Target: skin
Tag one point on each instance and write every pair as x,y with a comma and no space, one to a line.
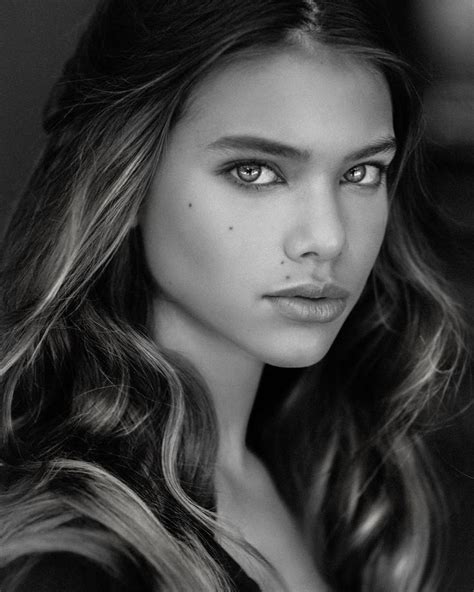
216,245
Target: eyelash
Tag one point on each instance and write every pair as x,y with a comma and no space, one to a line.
381,166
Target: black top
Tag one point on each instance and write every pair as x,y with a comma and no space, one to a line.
66,572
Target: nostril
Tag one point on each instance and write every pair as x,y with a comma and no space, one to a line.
310,253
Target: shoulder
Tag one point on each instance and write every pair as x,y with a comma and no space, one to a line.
57,572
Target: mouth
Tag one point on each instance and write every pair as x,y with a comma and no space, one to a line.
310,302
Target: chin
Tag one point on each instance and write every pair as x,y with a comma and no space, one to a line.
297,357
298,349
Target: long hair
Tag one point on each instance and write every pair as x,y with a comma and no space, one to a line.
108,442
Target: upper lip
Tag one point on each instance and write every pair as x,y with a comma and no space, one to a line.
326,290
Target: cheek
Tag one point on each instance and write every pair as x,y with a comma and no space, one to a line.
367,234
191,239
175,244
373,234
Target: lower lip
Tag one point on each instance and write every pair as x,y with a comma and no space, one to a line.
321,310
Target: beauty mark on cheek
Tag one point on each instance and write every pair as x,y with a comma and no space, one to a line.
231,228
190,205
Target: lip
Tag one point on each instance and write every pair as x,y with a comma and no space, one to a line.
310,302
313,291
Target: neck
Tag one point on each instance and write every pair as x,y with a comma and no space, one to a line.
231,375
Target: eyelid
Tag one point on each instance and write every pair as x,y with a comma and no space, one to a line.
380,164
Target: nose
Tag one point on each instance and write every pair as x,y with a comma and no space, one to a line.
318,230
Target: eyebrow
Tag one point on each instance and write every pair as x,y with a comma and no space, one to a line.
266,146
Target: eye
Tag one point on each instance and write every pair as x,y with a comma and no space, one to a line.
368,175
254,174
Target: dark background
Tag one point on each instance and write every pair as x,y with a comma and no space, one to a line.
36,36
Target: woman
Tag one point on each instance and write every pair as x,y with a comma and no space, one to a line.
223,326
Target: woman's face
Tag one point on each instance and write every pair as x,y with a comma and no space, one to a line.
274,179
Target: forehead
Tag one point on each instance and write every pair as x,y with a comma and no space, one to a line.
318,99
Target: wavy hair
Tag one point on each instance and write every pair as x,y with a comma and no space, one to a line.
107,442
